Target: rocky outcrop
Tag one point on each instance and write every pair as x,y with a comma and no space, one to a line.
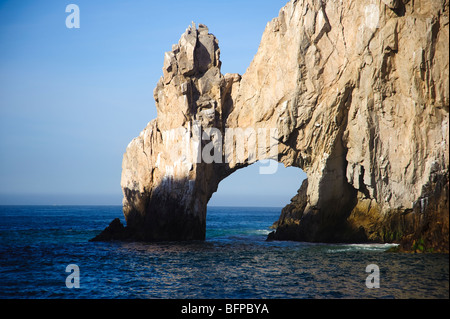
377,85
166,188
115,231
356,94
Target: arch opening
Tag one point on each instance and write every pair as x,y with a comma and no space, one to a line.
247,203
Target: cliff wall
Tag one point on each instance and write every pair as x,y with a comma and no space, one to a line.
356,94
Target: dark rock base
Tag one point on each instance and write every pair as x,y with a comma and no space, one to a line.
115,231
424,228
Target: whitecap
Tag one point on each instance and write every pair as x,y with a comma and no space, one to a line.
361,247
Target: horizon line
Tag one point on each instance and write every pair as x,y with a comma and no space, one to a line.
85,205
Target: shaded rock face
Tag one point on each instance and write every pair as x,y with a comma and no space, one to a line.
354,94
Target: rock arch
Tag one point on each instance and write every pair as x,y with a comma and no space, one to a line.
361,108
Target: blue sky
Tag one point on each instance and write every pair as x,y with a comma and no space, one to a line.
72,99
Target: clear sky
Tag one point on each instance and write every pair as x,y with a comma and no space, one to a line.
72,99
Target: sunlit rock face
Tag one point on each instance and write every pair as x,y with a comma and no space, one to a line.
166,183
353,93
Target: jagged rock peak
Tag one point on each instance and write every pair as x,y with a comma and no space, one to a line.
195,53
192,86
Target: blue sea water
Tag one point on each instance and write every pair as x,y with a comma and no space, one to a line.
235,261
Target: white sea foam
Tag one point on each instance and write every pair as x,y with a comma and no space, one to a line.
262,231
361,247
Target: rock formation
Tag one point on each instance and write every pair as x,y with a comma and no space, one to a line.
354,93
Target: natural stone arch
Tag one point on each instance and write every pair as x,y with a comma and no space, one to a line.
201,136
355,107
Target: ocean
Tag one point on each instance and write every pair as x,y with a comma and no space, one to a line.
38,243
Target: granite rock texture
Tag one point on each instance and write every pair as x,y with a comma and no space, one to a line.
354,93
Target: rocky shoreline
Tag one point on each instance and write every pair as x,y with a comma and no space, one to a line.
354,94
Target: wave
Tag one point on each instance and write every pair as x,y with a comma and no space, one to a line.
360,247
